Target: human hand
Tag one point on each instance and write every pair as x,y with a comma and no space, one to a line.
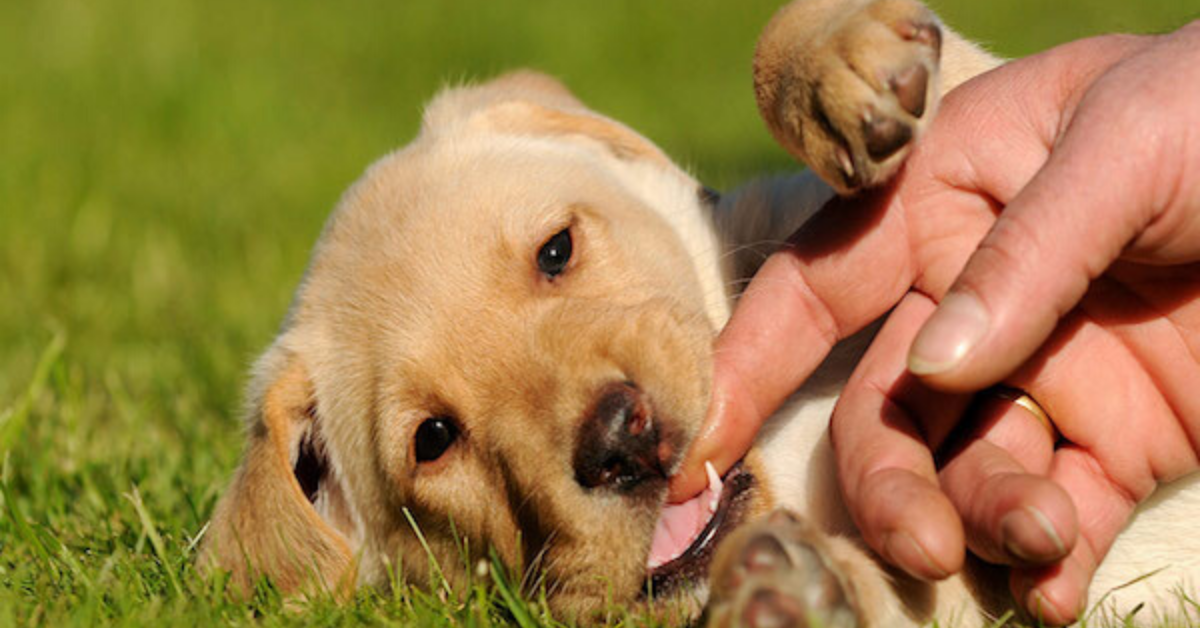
1071,181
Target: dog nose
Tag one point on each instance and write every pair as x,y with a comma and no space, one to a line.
618,441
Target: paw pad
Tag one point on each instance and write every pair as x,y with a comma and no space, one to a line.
777,574
909,86
769,608
884,136
764,553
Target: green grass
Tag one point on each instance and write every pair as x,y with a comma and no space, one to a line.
165,167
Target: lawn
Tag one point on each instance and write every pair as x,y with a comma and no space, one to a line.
165,167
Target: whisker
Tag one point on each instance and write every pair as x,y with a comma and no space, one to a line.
755,246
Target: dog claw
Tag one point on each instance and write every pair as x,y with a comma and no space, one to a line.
925,32
846,163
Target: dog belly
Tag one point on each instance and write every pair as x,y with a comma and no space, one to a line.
795,447
1160,543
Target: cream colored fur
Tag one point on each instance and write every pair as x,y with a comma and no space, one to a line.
422,300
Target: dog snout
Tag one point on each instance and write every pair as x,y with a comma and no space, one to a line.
618,443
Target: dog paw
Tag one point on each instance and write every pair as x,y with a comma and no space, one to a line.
847,87
776,574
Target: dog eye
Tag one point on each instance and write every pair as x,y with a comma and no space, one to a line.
434,437
555,253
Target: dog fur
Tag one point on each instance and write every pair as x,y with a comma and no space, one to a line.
423,299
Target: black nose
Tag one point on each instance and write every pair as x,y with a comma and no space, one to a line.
618,441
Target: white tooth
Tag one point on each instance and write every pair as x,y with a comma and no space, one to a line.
714,485
714,480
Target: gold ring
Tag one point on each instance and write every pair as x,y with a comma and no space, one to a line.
1019,397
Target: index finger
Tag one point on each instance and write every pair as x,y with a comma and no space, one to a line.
802,301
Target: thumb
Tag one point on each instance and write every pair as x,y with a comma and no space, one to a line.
1099,196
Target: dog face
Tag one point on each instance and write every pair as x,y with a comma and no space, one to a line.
502,342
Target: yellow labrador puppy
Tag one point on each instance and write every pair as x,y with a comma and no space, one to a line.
503,340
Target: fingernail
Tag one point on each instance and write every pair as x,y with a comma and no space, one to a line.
959,323
1040,607
904,552
1029,535
1052,596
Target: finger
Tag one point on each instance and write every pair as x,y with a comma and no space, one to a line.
1172,69
885,466
992,136
1011,514
984,479
1059,593
800,303
1055,594
1106,477
1075,217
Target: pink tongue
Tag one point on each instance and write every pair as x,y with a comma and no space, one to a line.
679,525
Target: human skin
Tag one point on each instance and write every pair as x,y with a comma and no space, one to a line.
1045,233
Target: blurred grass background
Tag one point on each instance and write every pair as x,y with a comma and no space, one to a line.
164,169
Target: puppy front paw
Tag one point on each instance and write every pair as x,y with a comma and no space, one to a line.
847,86
777,573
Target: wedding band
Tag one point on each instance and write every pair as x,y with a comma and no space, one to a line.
1019,397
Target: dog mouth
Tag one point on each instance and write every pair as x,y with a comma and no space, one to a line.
687,534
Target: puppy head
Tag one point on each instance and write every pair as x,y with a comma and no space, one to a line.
501,342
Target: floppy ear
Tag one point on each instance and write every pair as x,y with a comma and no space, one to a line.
530,103
531,118
266,524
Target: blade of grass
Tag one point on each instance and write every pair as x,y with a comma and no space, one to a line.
1003,619
191,547
1187,600
76,568
24,530
13,419
1100,602
514,603
433,562
155,539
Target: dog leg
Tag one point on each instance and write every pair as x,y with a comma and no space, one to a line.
847,86
780,572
